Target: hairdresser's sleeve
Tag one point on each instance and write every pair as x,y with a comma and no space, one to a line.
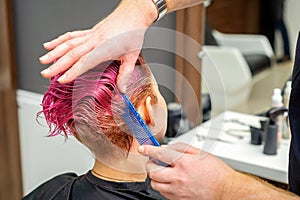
294,116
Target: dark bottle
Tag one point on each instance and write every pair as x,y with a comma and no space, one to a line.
270,147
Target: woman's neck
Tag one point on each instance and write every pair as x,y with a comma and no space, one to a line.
131,169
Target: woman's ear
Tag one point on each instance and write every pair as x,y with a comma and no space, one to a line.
149,110
146,111
153,114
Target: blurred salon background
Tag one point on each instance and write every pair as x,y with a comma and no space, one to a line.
28,157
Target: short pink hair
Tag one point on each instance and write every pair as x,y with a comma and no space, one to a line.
85,107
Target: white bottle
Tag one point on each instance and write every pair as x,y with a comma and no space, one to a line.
287,93
277,102
286,133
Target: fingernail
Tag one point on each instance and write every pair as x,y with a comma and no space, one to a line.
45,57
62,78
141,149
121,86
46,71
46,44
124,88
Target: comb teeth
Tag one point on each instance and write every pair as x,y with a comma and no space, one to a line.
137,125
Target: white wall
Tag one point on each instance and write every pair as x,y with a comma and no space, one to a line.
292,19
44,157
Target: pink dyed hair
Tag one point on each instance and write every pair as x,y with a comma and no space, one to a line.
84,107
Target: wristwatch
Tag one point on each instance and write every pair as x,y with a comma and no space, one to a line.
161,6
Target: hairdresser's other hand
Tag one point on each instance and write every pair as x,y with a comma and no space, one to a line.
119,36
193,174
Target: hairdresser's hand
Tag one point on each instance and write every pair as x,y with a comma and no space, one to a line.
193,174
119,36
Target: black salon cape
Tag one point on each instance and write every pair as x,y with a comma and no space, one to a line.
88,187
294,116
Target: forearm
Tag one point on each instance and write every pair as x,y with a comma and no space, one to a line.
146,10
173,5
143,11
242,186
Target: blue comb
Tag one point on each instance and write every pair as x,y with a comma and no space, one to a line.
137,125
139,128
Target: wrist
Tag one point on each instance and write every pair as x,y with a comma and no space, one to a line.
161,7
146,10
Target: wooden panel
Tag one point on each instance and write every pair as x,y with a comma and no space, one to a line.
189,22
234,16
10,164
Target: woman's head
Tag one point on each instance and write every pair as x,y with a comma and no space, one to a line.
90,108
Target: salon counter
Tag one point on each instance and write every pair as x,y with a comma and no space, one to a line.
227,136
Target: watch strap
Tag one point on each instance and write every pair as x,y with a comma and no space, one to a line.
161,6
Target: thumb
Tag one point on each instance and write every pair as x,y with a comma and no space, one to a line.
184,148
163,154
126,68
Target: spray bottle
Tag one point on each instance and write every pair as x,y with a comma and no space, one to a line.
286,133
277,103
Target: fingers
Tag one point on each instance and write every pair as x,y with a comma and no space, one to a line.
126,69
162,187
173,150
61,50
187,149
165,155
184,148
163,180
63,38
158,172
76,53
88,61
67,61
